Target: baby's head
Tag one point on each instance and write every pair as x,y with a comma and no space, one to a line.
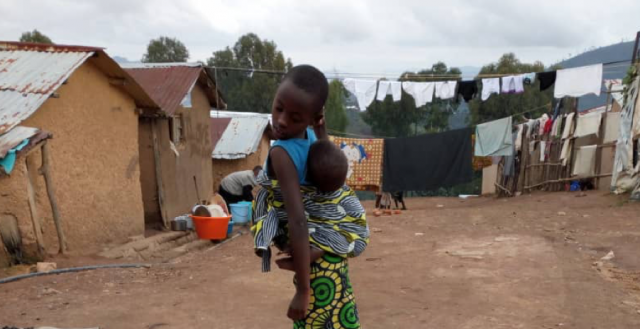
327,166
299,101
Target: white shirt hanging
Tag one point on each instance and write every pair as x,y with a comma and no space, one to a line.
490,86
422,92
446,89
389,87
513,84
365,91
578,81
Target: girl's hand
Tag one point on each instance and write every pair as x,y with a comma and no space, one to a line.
320,128
299,306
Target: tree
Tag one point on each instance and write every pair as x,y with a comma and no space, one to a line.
335,112
245,90
500,106
403,118
35,36
165,50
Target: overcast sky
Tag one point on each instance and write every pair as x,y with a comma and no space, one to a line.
360,36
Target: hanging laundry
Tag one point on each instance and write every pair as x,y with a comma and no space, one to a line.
481,162
427,162
556,126
611,130
548,126
446,89
585,163
512,84
588,124
579,81
490,86
529,78
422,92
543,149
543,123
509,168
518,141
9,160
557,109
494,138
530,127
364,157
467,89
564,154
568,126
393,88
547,79
365,91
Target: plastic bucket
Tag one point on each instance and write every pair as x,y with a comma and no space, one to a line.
241,212
230,228
211,228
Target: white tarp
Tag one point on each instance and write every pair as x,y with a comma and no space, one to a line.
624,178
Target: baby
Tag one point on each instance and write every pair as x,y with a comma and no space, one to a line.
336,219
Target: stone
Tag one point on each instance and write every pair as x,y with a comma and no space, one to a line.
609,256
562,213
45,267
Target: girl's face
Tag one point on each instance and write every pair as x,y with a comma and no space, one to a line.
293,111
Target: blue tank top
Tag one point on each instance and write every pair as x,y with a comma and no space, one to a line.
298,150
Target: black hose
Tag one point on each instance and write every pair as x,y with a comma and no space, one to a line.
70,270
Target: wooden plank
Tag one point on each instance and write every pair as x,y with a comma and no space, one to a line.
158,169
44,170
33,208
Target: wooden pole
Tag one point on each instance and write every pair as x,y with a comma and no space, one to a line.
602,131
44,170
635,49
35,218
524,157
160,186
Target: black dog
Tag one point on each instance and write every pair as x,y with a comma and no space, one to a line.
396,196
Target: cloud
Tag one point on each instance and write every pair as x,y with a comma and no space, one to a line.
372,36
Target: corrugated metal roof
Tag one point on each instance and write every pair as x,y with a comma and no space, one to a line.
30,73
217,128
28,78
140,65
14,137
167,86
231,114
240,138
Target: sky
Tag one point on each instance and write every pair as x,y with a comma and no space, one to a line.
356,36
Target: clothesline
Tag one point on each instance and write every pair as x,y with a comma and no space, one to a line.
331,131
606,66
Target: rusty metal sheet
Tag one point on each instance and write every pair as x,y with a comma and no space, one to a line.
166,83
28,78
14,137
241,137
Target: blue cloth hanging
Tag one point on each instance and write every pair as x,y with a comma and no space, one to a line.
9,160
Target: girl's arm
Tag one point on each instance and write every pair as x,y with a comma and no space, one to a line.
287,176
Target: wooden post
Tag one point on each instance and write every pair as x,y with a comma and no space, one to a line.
524,158
33,207
44,170
602,131
158,169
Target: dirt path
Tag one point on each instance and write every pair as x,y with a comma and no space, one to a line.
526,262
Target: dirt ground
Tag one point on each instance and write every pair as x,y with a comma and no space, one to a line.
526,262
